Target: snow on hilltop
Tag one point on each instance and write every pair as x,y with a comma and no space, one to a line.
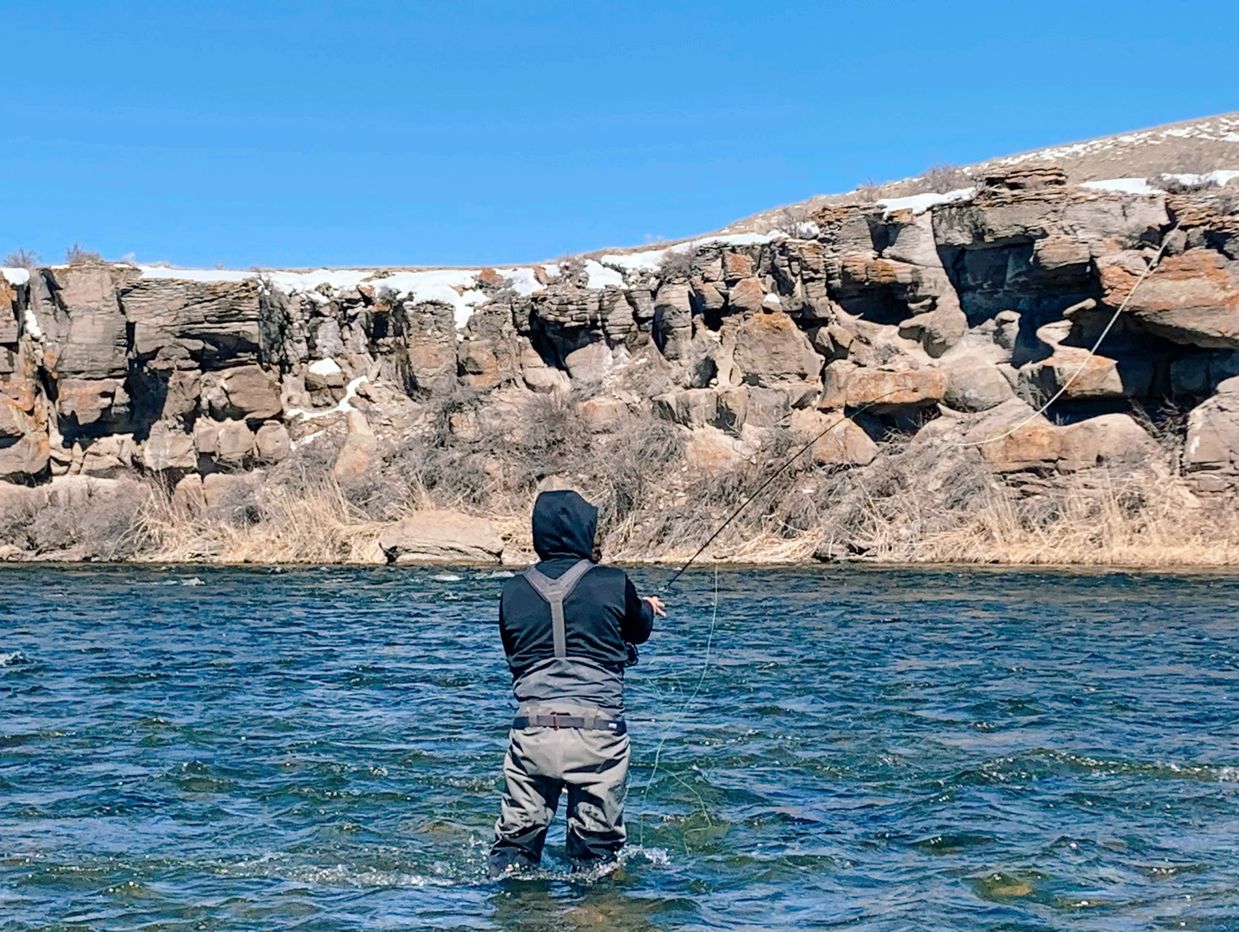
1177,150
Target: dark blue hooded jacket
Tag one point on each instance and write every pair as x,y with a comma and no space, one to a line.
602,614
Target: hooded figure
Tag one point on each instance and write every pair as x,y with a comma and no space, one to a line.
566,624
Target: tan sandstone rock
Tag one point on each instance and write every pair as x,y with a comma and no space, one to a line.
842,442
772,351
1192,298
356,457
441,537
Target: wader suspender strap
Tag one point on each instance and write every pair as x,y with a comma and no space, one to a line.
554,592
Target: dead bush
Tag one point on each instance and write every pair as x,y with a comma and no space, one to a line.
796,220
944,178
867,192
95,523
22,259
1191,185
78,255
676,264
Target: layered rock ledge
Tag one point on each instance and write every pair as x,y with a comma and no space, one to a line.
939,320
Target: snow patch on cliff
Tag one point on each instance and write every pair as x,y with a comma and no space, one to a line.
650,260
1121,185
919,203
1221,177
600,276
16,277
524,281
207,276
32,325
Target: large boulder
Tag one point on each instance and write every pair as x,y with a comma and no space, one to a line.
974,383
746,296
590,363
245,393
441,537
541,377
1213,432
889,389
1081,374
691,407
91,404
272,442
1191,298
24,458
478,364
169,447
1012,438
235,443
111,456
771,351
357,456
839,440
1108,439
709,450
937,330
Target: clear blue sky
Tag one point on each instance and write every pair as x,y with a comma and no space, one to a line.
279,133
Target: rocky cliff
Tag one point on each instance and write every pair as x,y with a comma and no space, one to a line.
939,320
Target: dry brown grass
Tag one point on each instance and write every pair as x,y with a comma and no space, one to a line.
916,503
313,523
1148,518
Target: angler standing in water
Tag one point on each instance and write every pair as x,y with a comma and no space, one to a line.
567,625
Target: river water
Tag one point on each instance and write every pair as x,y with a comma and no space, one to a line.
319,749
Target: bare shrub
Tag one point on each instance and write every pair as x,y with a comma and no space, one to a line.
22,259
79,255
868,192
17,514
628,473
1173,185
676,264
796,220
944,178
94,524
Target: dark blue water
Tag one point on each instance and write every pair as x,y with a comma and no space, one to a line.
319,749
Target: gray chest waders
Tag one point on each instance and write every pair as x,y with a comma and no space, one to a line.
554,592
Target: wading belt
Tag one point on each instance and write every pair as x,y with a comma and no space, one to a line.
553,593
559,720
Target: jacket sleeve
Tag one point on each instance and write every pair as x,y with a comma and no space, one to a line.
638,616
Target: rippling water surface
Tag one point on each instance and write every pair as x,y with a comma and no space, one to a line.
320,748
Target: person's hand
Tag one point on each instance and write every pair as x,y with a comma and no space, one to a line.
660,607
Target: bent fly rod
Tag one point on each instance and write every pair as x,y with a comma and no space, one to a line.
769,480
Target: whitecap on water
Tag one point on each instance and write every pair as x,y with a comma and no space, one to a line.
445,577
12,658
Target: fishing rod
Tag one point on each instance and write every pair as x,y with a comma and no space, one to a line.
769,480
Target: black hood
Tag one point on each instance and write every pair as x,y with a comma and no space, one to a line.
563,526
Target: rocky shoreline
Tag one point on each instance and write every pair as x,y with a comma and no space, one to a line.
405,415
